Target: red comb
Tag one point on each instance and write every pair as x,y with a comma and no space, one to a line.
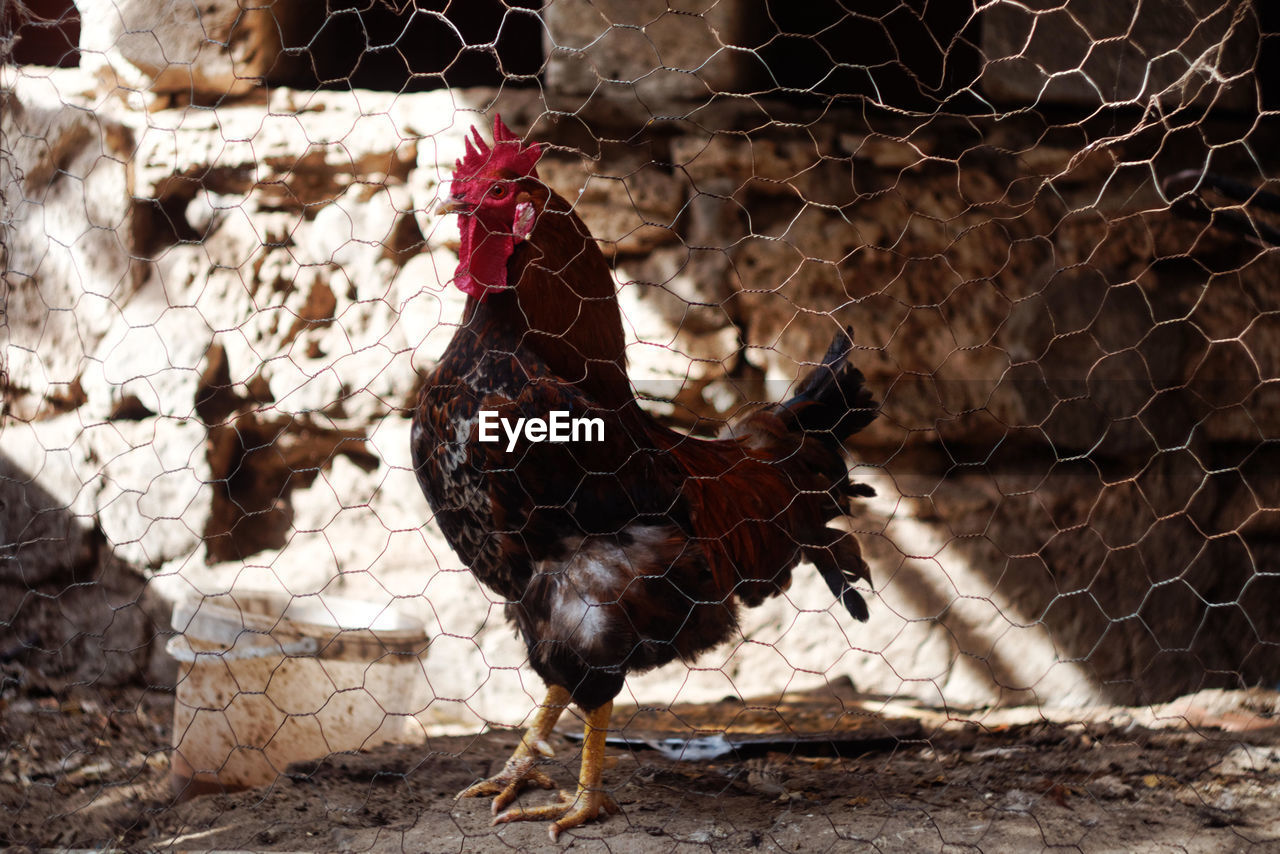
508,152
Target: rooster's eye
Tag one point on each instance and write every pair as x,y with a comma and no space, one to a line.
498,191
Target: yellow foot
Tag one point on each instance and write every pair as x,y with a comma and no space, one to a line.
507,785
520,771
571,811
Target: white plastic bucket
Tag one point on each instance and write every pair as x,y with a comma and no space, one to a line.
266,679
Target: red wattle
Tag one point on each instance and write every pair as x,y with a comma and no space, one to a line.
482,259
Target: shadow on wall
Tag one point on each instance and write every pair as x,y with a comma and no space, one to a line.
45,32
1066,589
71,613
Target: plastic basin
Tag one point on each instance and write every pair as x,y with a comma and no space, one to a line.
266,680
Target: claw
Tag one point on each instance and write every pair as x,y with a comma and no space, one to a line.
512,791
508,784
520,770
573,810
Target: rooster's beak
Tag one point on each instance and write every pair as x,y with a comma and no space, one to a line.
448,205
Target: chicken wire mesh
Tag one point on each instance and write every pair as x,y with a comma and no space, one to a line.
1051,227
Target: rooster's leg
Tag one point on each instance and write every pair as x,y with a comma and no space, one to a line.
520,770
585,805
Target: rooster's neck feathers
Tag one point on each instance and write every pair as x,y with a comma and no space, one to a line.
563,303
529,264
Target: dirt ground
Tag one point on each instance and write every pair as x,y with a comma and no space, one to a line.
810,774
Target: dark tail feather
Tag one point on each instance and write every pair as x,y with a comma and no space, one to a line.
833,398
840,564
834,402
1185,189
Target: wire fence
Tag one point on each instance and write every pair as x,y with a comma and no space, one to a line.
229,618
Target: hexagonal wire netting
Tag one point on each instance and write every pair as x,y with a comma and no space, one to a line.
231,620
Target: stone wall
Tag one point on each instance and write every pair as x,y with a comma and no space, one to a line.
216,317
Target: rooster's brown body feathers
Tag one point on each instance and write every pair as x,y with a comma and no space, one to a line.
621,554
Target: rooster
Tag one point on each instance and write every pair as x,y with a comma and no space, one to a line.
622,552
